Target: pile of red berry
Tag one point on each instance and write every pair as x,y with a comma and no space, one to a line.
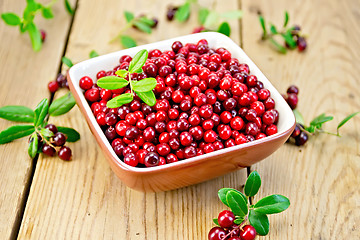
300,137
228,230
56,144
206,101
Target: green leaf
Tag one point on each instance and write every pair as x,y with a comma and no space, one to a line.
277,46
121,73
222,195
138,61
183,13
211,20
127,41
29,11
289,39
260,222
148,97
17,114
33,145
147,21
224,28
144,85
11,19
319,120
46,132
35,36
67,61
62,105
237,203
128,16
298,117
112,82
273,29
272,204
68,7
238,221
142,26
40,112
252,184
310,129
203,13
235,14
93,54
47,13
346,119
71,134
15,132
120,100
286,20
263,26
215,220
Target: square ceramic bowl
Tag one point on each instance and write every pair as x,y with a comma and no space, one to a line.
196,169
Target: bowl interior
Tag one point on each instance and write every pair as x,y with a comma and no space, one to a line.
107,62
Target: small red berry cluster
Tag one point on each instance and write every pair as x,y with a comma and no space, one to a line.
298,135
56,144
206,101
60,82
228,230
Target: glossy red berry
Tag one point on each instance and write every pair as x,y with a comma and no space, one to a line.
86,83
248,233
151,159
65,153
226,219
216,233
53,86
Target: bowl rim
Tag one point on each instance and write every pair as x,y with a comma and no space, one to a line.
99,134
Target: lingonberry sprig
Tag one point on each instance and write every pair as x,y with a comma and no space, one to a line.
26,22
301,131
208,18
44,137
143,88
245,220
141,23
60,81
292,36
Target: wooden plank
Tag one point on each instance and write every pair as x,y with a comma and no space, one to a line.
84,199
321,179
24,76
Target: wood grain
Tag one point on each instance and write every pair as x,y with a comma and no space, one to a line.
24,76
321,179
83,199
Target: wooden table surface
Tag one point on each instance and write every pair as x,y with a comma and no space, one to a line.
48,198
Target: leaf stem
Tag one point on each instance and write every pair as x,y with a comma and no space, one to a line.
44,139
131,87
126,27
236,228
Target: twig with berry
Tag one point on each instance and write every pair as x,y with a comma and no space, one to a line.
44,137
292,36
245,220
208,18
141,23
61,81
300,135
27,24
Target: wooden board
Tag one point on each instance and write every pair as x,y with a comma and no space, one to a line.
322,178
83,199
24,76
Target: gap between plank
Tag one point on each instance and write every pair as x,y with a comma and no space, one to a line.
20,214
